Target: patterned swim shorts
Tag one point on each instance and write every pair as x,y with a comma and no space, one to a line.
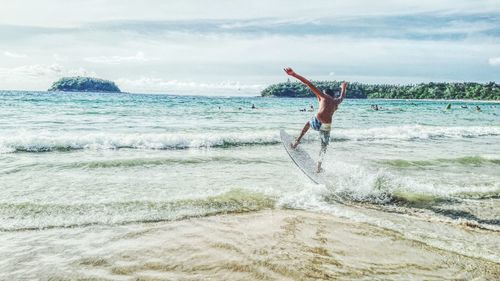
324,130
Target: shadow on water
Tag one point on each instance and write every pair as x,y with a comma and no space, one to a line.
407,203
461,214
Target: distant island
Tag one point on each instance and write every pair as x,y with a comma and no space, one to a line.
473,91
84,84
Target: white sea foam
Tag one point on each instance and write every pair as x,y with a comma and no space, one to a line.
48,141
410,132
355,182
38,141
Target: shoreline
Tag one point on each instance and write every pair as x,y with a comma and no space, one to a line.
271,244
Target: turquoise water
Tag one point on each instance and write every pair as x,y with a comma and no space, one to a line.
82,159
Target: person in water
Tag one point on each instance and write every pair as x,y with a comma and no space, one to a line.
322,122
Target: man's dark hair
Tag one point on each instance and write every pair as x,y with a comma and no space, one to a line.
330,92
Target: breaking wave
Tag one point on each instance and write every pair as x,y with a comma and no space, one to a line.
417,132
357,183
44,142
32,216
465,161
37,141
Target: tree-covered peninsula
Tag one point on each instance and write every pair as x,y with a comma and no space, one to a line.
84,84
473,91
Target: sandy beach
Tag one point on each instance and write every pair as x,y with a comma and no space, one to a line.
266,245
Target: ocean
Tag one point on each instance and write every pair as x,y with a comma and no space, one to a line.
80,168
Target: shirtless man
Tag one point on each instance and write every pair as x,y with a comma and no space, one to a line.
322,122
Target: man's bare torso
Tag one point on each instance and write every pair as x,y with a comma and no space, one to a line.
327,106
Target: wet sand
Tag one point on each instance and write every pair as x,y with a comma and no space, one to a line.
267,245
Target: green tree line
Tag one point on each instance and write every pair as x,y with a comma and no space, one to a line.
469,90
84,84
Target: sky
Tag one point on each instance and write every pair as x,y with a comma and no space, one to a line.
234,47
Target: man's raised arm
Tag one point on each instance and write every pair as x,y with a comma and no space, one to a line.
313,88
343,93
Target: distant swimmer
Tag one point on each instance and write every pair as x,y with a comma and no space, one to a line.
253,106
322,122
448,106
464,106
311,108
374,107
478,108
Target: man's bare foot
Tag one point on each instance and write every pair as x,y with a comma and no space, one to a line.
294,145
319,169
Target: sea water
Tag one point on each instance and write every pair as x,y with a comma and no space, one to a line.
82,160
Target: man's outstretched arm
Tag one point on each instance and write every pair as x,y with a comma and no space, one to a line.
313,88
343,93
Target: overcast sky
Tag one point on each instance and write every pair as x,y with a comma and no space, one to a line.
239,47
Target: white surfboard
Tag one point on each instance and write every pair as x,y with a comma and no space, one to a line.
302,159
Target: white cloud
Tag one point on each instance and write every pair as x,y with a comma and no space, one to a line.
153,84
494,61
456,27
76,12
263,23
59,58
40,71
137,58
31,71
80,72
14,55
37,76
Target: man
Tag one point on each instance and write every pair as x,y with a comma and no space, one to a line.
322,122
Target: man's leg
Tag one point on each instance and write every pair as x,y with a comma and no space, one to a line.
325,140
322,153
304,131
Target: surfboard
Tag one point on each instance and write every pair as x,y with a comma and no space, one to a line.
302,159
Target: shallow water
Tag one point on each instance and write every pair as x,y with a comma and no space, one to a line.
88,159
